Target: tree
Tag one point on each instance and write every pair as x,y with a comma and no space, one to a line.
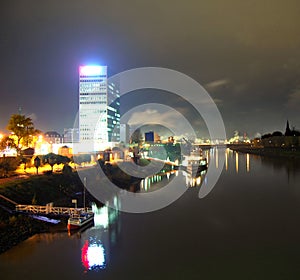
6,141
67,169
23,129
267,135
53,159
277,133
136,136
7,165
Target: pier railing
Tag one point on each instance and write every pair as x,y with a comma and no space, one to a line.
48,209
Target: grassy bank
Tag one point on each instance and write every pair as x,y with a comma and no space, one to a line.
40,190
16,228
59,189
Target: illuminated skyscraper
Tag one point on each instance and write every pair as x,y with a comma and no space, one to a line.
99,108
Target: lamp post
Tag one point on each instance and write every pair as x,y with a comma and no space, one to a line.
37,163
84,186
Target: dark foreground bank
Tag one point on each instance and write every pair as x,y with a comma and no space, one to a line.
40,190
292,153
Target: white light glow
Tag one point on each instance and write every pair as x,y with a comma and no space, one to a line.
96,256
92,70
101,216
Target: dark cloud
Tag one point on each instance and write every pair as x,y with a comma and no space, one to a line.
250,47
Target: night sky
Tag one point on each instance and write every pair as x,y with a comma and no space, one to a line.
245,53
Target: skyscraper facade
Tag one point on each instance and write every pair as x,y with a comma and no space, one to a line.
99,108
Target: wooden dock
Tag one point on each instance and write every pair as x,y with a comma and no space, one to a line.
49,209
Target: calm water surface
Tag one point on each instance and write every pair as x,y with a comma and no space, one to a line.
246,228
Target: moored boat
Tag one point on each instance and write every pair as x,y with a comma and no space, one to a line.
79,220
194,168
194,163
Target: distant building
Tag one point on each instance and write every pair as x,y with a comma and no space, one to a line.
152,137
124,133
53,137
71,135
99,108
149,136
65,151
288,131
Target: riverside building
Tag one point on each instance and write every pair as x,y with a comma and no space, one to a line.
99,109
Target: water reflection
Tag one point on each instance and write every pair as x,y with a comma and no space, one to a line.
226,159
157,181
252,213
194,181
237,162
93,255
97,240
247,162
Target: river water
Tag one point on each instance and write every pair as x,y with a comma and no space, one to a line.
247,227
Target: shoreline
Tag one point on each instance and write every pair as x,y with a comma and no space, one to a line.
17,227
40,190
268,152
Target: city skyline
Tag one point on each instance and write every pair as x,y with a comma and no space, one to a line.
246,56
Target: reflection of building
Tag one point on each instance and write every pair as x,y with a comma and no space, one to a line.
71,135
52,137
99,108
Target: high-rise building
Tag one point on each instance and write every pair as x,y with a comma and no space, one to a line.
124,133
99,108
71,135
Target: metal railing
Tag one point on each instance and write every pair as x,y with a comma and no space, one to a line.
48,209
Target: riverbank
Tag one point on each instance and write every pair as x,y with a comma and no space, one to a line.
290,153
40,190
59,189
17,228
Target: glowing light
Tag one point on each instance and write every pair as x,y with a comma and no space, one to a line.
100,216
226,159
248,162
237,163
93,256
92,70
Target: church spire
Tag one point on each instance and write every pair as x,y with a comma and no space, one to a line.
288,131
